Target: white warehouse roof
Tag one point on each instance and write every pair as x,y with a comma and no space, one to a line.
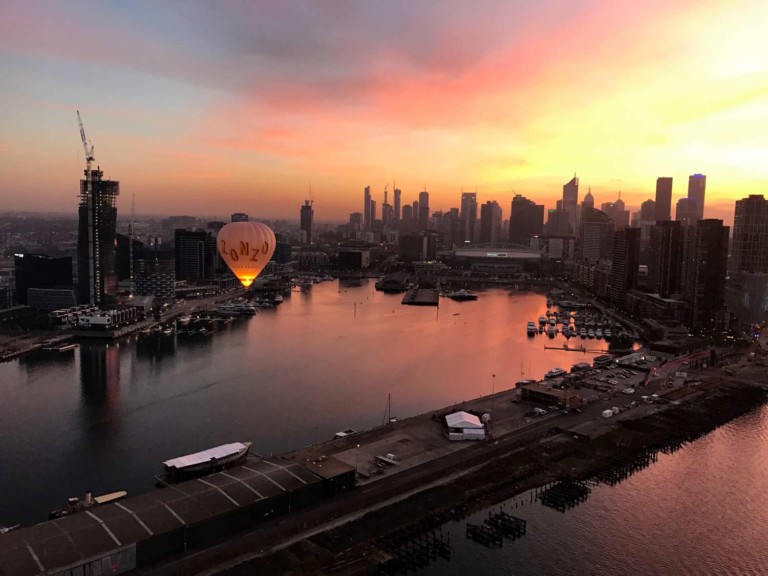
463,420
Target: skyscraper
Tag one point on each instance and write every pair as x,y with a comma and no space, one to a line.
705,262
526,219
648,211
750,236
367,208
468,215
490,222
589,200
663,198
571,201
372,205
423,210
697,184
397,203
195,255
307,214
624,263
595,235
665,262
97,225
685,211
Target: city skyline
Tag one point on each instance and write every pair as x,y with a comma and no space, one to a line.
239,109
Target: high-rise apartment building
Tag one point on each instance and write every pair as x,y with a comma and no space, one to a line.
526,219
367,221
490,222
571,202
625,261
685,212
705,262
665,261
663,198
397,204
373,213
697,184
750,236
407,213
97,226
468,215
595,235
195,255
423,210
306,216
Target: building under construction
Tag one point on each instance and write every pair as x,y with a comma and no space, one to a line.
97,278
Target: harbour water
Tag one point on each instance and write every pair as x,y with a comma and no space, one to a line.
698,512
105,415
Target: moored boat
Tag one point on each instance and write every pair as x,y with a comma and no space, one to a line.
462,294
555,373
208,460
531,328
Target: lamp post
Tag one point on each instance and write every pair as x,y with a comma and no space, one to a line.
493,391
357,449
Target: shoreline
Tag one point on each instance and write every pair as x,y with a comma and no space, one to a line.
346,537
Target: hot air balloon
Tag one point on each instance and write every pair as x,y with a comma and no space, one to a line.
246,247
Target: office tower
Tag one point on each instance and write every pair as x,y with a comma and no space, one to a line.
97,226
490,222
595,235
665,261
39,271
526,219
397,203
423,210
617,212
697,184
407,213
356,221
750,236
558,223
625,261
648,211
306,215
685,211
663,198
705,263
468,215
387,214
373,213
571,201
239,217
367,221
195,255
589,200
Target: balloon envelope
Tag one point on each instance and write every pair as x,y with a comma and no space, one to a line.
246,247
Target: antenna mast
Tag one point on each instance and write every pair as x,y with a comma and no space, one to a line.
130,241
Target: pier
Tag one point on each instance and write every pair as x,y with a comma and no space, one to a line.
511,526
565,494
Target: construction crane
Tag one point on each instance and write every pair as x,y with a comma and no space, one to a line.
89,157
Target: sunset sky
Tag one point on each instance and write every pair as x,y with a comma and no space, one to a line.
208,108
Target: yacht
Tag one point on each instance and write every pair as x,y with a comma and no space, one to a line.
551,331
542,319
531,328
599,334
583,333
554,373
590,333
607,335
461,295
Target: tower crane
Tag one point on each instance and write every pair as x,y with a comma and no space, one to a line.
89,157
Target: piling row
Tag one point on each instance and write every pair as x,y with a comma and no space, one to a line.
485,535
565,494
412,550
510,526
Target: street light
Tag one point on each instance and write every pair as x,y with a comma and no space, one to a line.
357,449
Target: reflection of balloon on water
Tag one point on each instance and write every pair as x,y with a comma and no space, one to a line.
246,247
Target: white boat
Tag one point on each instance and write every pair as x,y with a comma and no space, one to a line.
583,333
598,333
607,335
462,294
590,333
542,319
555,373
168,331
184,319
278,298
531,328
208,460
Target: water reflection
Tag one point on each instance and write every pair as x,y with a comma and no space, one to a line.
100,375
155,346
